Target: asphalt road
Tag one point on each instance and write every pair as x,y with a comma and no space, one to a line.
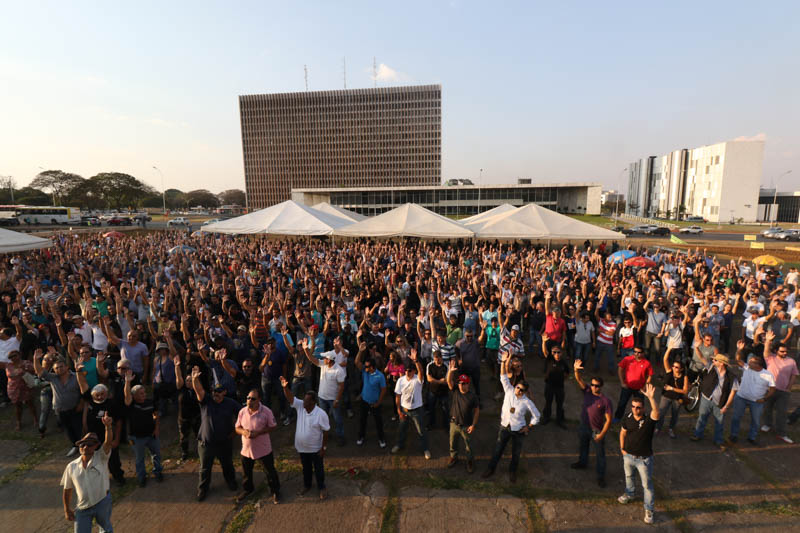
738,237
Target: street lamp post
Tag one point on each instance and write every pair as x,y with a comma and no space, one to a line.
480,186
616,208
164,191
775,195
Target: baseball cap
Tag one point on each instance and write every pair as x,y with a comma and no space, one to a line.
515,327
162,346
218,388
463,378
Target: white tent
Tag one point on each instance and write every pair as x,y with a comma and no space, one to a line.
13,241
500,209
533,221
287,218
340,212
408,220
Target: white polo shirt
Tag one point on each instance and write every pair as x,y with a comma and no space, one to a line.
410,392
310,427
91,484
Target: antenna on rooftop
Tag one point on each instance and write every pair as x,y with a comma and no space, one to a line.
374,72
344,72
305,72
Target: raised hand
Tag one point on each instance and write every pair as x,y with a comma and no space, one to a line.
578,365
649,390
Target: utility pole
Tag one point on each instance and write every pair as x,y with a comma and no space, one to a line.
480,186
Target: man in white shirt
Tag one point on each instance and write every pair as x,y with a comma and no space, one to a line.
331,387
408,399
88,476
757,384
310,437
513,425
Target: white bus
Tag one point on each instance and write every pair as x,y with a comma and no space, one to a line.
45,215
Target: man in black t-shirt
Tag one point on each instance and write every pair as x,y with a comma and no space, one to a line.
464,412
143,429
636,444
437,388
555,371
96,405
188,407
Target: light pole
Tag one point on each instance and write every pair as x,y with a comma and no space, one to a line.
775,195
164,191
480,186
616,208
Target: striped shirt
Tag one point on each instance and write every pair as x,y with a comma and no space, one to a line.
606,330
509,345
447,350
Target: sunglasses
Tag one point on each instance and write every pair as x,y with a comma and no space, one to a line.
251,398
637,407
595,385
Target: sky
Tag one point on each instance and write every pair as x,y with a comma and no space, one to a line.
552,91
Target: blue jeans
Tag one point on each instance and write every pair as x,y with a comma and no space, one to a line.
675,409
739,406
269,386
414,416
605,351
535,340
336,412
154,446
582,351
645,467
585,437
100,512
707,407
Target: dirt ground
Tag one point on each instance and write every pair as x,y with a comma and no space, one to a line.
698,487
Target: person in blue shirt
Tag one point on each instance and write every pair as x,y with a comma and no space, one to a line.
373,392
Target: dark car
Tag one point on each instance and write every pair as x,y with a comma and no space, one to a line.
9,221
90,221
120,221
659,231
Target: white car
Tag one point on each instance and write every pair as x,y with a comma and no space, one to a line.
211,221
180,221
771,232
691,229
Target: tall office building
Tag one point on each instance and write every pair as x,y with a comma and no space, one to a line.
388,136
719,182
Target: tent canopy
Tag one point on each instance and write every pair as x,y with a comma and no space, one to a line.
499,210
286,218
408,220
340,212
533,221
13,241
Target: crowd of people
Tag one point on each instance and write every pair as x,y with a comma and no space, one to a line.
118,337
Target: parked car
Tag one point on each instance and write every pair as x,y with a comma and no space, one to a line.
691,229
211,221
9,220
786,234
90,221
120,221
139,216
179,221
695,218
658,231
769,233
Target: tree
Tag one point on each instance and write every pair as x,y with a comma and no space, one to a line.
233,197
31,196
57,182
119,190
175,198
201,197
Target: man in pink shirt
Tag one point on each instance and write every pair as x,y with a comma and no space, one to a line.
784,369
254,424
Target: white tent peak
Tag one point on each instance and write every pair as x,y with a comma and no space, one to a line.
499,210
407,220
340,212
14,241
286,218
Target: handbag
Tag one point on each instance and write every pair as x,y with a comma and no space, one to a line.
30,380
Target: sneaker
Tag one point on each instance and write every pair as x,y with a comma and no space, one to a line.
672,434
201,494
359,442
395,448
276,499
184,457
694,438
577,466
350,413
753,442
786,439
452,462
382,443
648,517
765,428
470,466
286,421
159,477
427,454
624,498
323,494
72,452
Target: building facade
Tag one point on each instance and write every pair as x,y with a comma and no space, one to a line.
719,182
778,206
389,136
459,200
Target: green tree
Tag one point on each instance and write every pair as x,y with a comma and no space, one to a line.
232,197
119,190
175,198
57,182
31,196
201,197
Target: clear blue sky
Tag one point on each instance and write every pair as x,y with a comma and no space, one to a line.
553,91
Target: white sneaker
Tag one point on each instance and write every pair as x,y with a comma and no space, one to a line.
672,434
360,442
624,498
395,449
648,517
765,428
786,439
427,454
382,443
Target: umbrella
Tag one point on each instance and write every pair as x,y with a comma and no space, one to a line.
182,248
621,256
113,234
769,260
640,261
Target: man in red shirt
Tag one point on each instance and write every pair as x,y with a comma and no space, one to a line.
554,326
634,373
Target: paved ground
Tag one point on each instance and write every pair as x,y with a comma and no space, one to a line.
699,487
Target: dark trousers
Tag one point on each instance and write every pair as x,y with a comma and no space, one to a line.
268,462
625,394
114,464
474,379
438,408
269,386
223,451
312,463
376,412
185,428
503,436
551,392
71,422
586,437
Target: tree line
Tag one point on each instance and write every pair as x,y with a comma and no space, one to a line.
109,190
